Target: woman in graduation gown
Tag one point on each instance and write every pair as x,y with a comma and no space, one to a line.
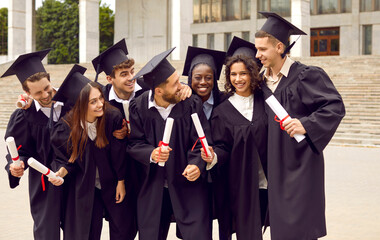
203,68
239,128
86,149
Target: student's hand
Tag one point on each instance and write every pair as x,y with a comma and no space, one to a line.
17,171
209,158
293,126
120,191
62,172
164,156
122,132
191,172
185,92
28,100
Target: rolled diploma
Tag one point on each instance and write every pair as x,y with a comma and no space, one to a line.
42,169
200,132
126,111
13,150
166,137
21,103
281,113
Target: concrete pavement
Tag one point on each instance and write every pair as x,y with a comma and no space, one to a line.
352,197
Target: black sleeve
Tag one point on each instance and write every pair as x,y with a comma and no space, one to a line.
318,94
222,138
61,145
138,148
19,128
117,146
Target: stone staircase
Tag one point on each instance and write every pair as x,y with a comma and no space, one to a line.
356,78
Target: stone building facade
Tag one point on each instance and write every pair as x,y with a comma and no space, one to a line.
334,27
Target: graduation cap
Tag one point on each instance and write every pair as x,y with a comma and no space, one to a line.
280,29
71,87
109,58
213,58
157,70
240,46
26,65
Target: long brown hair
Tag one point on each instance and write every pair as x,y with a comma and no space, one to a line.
252,68
77,118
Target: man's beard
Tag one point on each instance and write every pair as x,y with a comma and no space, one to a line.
172,99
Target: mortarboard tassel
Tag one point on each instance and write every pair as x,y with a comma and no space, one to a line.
50,123
97,72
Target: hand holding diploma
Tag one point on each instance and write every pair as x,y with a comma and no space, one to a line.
160,154
44,170
13,151
60,173
191,172
164,144
24,101
210,157
17,171
201,134
293,127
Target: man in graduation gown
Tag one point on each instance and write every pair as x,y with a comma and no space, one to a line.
30,130
178,186
296,170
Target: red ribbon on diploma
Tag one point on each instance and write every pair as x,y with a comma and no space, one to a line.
204,148
43,180
280,121
160,144
17,158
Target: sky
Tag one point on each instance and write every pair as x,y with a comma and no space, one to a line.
4,3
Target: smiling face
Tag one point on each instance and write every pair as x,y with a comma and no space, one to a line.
269,52
202,81
240,79
171,88
95,105
122,81
41,91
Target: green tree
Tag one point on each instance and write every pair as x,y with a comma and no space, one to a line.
106,26
3,31
58,28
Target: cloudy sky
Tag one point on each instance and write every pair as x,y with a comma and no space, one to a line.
4,3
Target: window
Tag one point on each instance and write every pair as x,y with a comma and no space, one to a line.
195,40
281,7
210,41
324,41
245,36
369,5
329,6
227,40
367,39
221,10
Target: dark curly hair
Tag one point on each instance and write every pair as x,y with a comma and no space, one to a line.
252,68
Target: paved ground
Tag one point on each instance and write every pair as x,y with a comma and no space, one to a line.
352,196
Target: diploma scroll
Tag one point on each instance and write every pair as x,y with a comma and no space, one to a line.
21,103
13,150
42,169
126,111
281,113
201,134
166,138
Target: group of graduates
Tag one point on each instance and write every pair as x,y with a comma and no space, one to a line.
254,174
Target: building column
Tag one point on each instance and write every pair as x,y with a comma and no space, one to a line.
301,18
88,30
16,28
253,20
175,28
186,18
122,21
30,23
355,38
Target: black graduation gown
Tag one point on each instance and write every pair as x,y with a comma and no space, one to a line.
30,129
296,170
189,199
240,145
110,162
